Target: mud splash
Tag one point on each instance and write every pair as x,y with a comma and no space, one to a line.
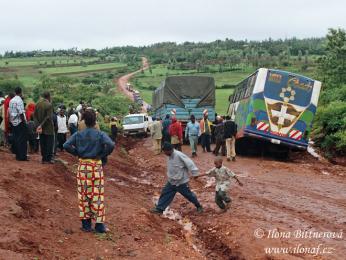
187,225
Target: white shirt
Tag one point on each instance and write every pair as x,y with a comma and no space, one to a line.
62,127
79,107
73,120
16,108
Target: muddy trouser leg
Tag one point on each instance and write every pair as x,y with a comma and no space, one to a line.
207,142
228,147
223,148
203,141
154,145
20,140
158,146
220,198
184,190
193,143
233,154
196,143
217,146
167,195
60,141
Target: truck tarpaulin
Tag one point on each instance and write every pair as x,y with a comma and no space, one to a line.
175,88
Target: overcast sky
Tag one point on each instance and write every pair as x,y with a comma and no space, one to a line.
48,24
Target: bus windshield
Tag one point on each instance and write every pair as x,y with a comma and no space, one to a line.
133,120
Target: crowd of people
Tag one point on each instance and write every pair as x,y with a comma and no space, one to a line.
180,167
76,130
222,131
30,128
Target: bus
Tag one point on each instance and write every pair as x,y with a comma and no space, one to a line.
275,106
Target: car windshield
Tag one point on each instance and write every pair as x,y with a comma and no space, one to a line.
133,120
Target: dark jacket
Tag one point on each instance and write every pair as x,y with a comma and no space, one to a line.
230,129
43,116
165,126
219,131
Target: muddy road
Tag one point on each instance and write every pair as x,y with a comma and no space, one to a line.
271,216
298,207
122,81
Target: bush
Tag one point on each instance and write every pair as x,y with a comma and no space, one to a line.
330,128
112,105
8,85
91,80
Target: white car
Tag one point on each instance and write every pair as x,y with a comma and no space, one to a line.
137,124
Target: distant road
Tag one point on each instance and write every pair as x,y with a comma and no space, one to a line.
122,82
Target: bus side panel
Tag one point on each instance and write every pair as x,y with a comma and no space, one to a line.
241,115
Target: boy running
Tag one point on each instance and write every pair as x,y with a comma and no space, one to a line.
223,177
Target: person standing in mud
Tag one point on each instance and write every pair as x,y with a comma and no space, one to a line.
19,126
192,132
178,167
7,128
43,117
176,133
113,125
165,129
219,137
90,145
230,128
62,128
205,126
156,135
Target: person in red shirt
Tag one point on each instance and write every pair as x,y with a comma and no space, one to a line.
6,119
176,133
29,110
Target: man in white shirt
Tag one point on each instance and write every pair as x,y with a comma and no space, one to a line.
73,123
19,127
62,128
79,107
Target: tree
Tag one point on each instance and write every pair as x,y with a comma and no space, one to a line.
330,123
306,58
333,64
300,55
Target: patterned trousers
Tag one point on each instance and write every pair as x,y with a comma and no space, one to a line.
90,182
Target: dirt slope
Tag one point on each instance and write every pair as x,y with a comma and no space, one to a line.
39,214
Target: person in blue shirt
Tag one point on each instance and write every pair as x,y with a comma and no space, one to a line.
90,145
192,132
